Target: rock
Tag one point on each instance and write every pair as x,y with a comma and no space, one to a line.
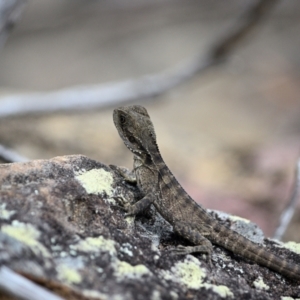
61,228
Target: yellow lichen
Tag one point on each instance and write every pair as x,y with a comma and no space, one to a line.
4,213
155,295
27,234
96,244
260,285
125,270
68,275
222,290
93,294
96,181
190,274
237,218
187,272
293,246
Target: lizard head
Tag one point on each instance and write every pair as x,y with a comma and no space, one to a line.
136,129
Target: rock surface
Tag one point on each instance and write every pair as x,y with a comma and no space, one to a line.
61,228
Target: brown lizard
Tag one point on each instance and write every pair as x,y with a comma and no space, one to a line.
160,188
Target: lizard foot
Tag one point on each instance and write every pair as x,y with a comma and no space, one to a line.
180,250
122,204
125,206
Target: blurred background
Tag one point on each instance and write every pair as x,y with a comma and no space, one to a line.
231,136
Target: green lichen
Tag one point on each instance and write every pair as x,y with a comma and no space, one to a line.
96,244
222,290
125,270
260,285
68,275
293,246
174,295
190,274
187,272
126,248
4,213
96,181
237,218
155,295
101,296
27,234
130,221
94,294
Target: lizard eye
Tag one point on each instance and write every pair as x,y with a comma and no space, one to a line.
131,139
122,119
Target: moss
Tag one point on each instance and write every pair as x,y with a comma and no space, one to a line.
27,234
96,181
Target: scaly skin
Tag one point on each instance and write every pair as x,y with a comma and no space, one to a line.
160,188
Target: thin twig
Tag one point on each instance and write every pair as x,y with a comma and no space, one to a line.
10,156
22,288
246,22
103,95
288,212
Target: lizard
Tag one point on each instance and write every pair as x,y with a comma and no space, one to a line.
190,220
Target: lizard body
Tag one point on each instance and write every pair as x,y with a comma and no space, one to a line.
190,220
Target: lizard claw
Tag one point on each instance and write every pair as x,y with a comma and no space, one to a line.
121,203
120,207
120,200
124,206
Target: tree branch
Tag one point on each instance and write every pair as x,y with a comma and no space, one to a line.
22,288
9,155
148,86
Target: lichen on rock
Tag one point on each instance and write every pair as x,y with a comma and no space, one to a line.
61,228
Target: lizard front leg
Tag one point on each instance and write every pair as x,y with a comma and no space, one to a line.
140,205
128,176
202,244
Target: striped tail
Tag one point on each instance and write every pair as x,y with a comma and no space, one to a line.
240,245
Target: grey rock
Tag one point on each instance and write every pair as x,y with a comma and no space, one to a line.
62,228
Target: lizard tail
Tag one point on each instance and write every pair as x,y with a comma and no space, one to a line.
237,243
